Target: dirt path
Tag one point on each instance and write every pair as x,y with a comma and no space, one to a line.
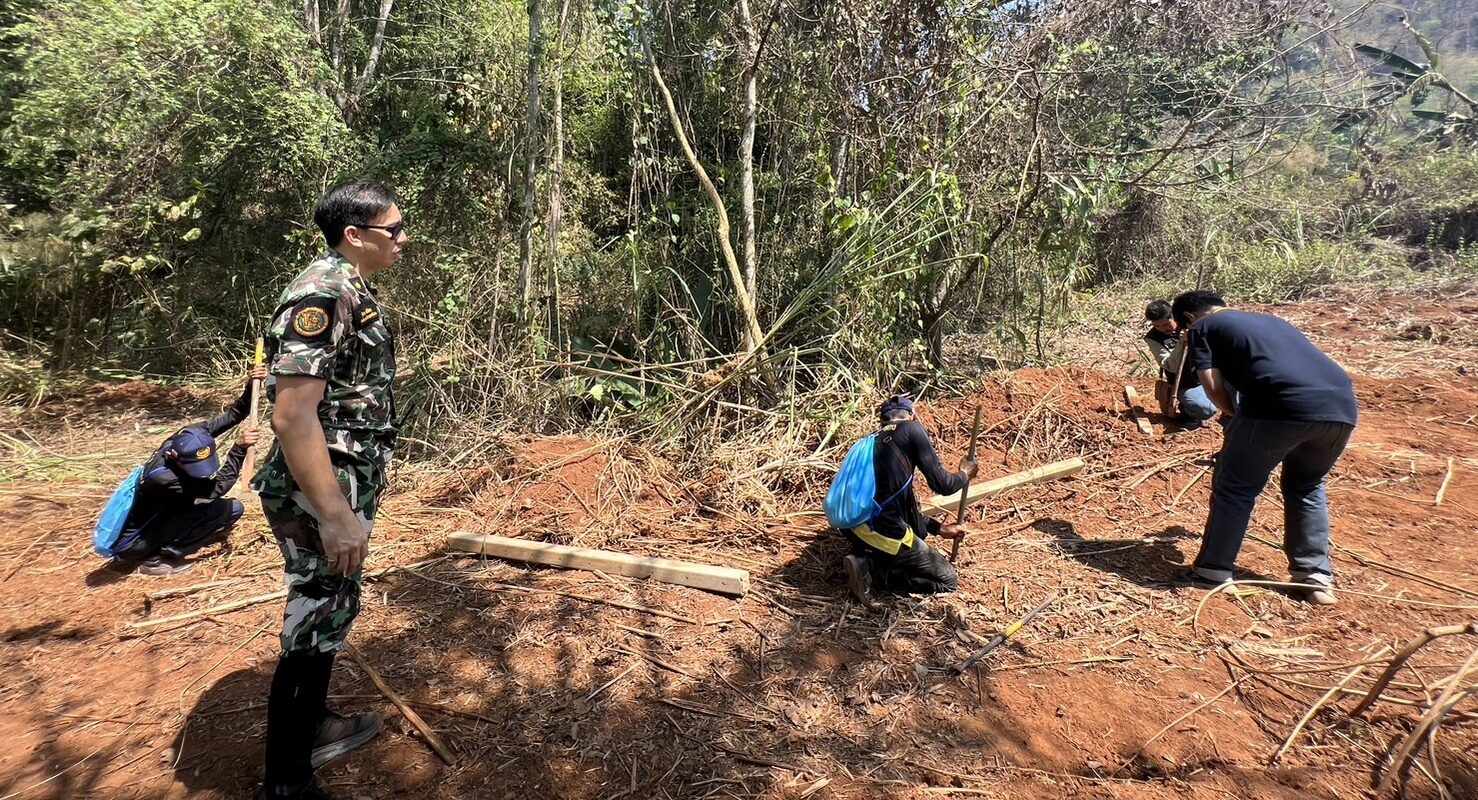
791,692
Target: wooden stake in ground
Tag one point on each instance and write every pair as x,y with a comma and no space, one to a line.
954,550
980,491
1136,412
724,580
410,714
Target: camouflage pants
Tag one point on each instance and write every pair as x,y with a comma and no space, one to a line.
321,605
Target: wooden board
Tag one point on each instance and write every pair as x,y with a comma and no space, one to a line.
979,491
724,580
1137,412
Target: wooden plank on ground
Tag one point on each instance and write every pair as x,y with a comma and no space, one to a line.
1136,411
725,580
979,491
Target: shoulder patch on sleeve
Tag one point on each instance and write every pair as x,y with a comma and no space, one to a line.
312,319
368,312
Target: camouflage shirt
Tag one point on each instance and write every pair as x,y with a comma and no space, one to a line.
328,325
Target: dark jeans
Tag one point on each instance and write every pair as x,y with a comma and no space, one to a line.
915,570
1195,405
176,533
1252,448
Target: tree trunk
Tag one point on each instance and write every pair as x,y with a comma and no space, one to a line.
932,321
377,45
530,165
338,30
746,149
556,175
341,25
754,336
311,20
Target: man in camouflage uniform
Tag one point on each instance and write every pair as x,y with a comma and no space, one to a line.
332,361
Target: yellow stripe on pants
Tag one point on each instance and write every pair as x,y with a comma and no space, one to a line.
886,544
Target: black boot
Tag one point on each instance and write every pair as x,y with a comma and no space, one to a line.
292,720
859,578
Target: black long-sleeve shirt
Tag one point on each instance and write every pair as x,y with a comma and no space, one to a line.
161,489
903,447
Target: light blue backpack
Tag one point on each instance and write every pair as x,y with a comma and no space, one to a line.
852,498
115,514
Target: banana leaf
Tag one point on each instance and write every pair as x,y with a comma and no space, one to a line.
1427,114
1402,63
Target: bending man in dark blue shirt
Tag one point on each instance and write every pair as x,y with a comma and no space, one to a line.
181,505
1296,408
891,552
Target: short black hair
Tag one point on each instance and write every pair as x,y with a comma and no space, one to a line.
354,203
1198,301
1157,310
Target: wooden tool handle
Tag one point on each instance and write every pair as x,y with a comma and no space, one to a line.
1185,350
1000,638
249,462
954,550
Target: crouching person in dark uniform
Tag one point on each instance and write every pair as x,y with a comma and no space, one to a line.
890,553
332,361
180,506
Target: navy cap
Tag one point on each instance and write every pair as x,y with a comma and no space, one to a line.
197,452
898,402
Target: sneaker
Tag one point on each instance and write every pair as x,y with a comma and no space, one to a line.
311,791
1320,596
859,578
1190,578
338,736
158,566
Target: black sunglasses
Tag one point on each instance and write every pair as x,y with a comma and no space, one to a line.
392,230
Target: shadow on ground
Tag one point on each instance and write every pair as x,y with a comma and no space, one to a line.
544,696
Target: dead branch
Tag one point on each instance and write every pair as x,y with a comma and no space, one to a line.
1401,658
410,714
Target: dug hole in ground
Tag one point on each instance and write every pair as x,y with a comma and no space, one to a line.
547,683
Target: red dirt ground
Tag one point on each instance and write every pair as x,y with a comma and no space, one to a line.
792,691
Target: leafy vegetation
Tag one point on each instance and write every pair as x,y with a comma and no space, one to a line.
890,175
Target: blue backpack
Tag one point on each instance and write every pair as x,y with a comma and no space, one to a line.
852,498
115,514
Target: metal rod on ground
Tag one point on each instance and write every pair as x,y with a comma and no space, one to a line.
1000,638
954,549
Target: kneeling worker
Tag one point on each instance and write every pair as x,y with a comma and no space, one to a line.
891,552
1167,343
181,505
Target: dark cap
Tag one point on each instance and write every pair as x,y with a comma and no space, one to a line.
898,402
196,451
